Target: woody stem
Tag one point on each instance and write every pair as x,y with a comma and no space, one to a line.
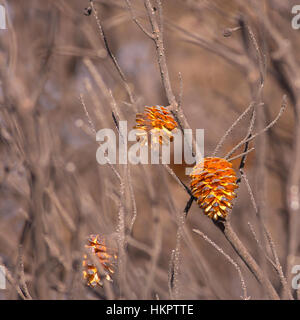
244,254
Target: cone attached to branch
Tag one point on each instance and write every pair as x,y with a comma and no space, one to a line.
159,121
213,184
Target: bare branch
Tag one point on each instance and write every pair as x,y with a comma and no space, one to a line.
134,18
158,39
244,288
270,125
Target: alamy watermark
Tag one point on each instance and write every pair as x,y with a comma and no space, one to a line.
296,18
296,278
146,148
2,278
2,17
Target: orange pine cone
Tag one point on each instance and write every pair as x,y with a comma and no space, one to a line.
98,248
158,119
213,184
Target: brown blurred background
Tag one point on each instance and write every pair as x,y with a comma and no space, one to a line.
53,194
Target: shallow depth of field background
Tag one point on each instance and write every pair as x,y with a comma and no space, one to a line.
53,194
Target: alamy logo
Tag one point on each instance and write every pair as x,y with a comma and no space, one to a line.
2,278
296,19
2,17
296,278
149,150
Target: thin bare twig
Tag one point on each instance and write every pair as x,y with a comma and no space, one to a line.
277,264
162,62
221,142
270,125
244,254
134,18
113,58
243,284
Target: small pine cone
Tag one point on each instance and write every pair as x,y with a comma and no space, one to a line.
160,120
105,256
213,184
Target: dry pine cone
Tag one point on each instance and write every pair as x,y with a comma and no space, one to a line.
106,258
213,184
158,119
